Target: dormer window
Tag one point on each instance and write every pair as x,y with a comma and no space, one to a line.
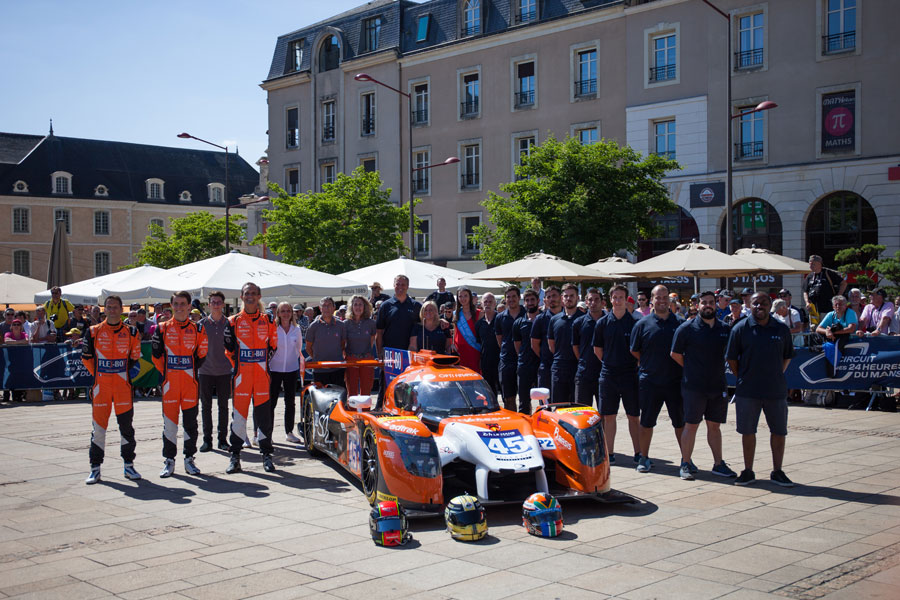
101,191
185,196
329,54
371,34
216,193
20,187
156,189
61,183
471,17
295,54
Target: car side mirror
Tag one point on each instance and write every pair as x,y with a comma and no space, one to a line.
359,403
541,395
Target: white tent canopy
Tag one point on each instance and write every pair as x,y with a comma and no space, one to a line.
90,290
17,289
229,272
422,277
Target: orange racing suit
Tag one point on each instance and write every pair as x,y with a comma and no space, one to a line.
250,341
179,348
109,353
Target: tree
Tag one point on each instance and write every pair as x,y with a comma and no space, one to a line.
867,259
194,237
350,224
581,202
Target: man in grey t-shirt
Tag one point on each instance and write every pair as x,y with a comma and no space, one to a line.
215,374
325,340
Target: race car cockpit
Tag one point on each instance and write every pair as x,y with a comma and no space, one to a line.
434,400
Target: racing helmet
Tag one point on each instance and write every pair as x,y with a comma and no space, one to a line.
542,515
465,518
387,524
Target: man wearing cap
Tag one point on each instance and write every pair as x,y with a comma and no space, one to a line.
735,312
746,294
722,300
785,295
57,308
78,319
377,296
157,312
821,285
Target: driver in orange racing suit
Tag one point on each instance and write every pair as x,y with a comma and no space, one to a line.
250,340
179,347
111,350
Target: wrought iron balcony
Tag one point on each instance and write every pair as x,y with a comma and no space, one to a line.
585,87
746,59
526,17
468,109
839,42
420,182
748,150
525,98
470,180
368,126
420,116
662,73
328,133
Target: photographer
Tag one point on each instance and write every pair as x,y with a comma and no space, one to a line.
838,326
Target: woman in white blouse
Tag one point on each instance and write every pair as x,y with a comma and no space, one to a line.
286,366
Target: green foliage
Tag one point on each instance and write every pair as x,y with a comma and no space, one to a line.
579,202
350,224
196,236
859,260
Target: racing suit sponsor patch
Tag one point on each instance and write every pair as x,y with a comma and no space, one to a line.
253,355
180,363
107,365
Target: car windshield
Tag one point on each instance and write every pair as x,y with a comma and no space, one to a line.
445,398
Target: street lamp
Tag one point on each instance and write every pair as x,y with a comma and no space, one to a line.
187,136
729,179
412,170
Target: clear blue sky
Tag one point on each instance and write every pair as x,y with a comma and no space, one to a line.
145,70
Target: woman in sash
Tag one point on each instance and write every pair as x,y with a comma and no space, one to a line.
464,320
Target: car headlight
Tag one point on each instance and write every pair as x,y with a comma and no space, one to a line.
589,442
419,454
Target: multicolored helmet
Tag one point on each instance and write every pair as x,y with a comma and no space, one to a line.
387,524
465,518
542,515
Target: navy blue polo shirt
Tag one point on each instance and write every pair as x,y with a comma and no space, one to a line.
397,319
583,337
652,337
521,332
614,337
760,351
539,332
484,333
560,331
503,326
703,347
431,340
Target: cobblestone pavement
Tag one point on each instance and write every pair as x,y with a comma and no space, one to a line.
302,532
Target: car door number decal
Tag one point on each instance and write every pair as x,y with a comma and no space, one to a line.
505,442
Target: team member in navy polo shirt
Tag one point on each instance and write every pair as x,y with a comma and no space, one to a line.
503,327
588,374
618,372
528,361
490,348
660,376
539,334
759,350
699,347
559,341
396,318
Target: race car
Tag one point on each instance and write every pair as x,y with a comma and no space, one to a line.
438,430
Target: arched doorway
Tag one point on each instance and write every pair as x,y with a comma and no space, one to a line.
755,222
675,228
837,221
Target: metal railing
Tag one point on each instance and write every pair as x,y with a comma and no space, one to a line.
839,42
328,133
525,98
420,116
420,182
368,126
467,109
470,180
662,73
748,150
585,87
748,58
526,17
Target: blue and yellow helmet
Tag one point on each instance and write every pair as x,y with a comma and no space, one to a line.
465,518
542,515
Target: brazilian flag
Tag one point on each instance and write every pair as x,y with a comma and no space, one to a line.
148,376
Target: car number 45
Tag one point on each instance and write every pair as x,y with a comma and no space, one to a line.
506,444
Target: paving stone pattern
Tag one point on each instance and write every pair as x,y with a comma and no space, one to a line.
302,532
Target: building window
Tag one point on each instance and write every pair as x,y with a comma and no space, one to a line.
368,164
155,222
101,263
330,54
586,83
840,220
20,187
471,17
422,26
750,41
216,193
328,173
420,104
663,64
587,135
422,177
372,33
522,149
423,237
63,214
328,121
101,190
61,182
673,229
664,132
22,263
101,222
292,181
292,128
467,225
525,84
21,220
471,174
155,189
840,26
368,114
184,196
295,54
755,222
750,135
526,11
471,94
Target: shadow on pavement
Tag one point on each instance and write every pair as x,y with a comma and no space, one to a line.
147,490
217,485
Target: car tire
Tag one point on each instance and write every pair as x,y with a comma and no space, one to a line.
369,467
308,426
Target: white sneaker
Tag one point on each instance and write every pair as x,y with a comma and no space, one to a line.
247,444
168,468
94,476
292,438
131,473
189,467
255,441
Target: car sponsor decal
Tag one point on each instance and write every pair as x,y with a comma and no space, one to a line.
382,497
577,410
387,420
505,442
561,440
353,451
547,444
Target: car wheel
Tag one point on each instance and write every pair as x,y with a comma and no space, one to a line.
308,423
369,465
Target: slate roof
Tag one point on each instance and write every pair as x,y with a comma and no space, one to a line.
123,168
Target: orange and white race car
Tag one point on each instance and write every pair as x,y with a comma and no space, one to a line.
438,430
